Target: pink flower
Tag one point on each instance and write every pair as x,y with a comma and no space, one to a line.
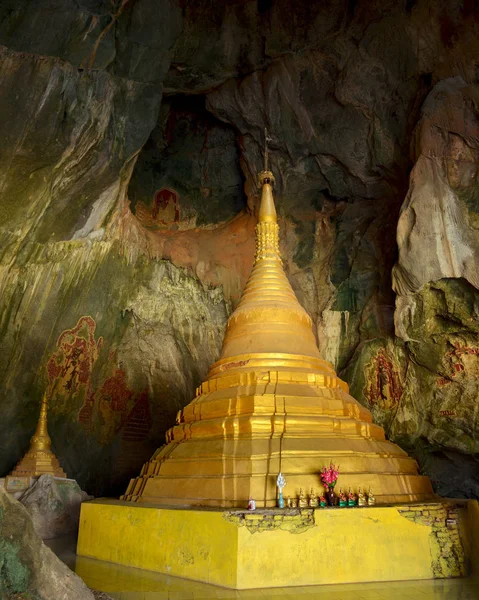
329,475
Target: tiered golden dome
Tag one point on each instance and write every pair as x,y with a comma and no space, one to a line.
271,404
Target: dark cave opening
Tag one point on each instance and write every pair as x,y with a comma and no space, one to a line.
191,154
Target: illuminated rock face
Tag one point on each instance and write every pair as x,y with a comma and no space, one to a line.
270,405
106,110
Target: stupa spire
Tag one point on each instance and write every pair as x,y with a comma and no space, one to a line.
41,441
267,228
267,209
39,460
269,324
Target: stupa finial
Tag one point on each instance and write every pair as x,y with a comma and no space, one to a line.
41,441
266,152
267,239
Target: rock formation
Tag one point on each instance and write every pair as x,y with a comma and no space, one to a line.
54,506
131,136
28,569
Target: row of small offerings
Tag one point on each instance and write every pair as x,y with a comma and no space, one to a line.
329,498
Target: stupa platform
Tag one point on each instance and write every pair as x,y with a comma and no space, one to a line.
239,549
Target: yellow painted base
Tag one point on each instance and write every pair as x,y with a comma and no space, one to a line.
270,548
470,534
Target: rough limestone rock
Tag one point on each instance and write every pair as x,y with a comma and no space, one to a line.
28,569
54,505
132,133
436,280
438,230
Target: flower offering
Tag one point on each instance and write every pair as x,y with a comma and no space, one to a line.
329,476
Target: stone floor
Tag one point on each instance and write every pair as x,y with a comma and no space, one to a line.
123,583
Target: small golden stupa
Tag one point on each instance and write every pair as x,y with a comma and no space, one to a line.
39,460
271,404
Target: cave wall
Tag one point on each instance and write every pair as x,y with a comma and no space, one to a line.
132,134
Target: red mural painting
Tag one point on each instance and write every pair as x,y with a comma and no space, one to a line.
458,361
447,413
383,384
165,201
164,209
85,414
114,400
70,366
107,409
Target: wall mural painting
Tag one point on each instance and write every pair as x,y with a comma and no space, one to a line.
383,383
122,409
106,409
447,413
114,400
70,367
461,360
163,210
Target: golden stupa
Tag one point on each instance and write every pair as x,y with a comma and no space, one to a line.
39,460
271,404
